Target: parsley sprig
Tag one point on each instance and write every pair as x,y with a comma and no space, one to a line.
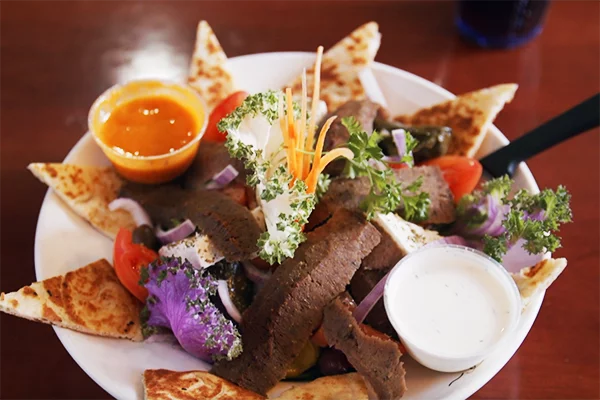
534,218
272,180
277,245
264,103
411,144
386,194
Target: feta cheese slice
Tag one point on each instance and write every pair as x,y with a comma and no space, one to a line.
408,236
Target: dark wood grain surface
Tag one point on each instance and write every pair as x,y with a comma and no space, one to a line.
57,57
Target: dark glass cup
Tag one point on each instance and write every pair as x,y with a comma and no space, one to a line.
501,24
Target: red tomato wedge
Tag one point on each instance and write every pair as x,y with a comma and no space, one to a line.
397,165
461,173
129,258
224,108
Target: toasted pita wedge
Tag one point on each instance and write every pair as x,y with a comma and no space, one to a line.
535,279
161,384
90,299
469,115
341,66
208,73
88,191
336,387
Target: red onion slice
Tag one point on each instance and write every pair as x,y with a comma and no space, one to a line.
399,136
139,215
367,304
496,213
232,310
517,258
391,159
181,231
223,178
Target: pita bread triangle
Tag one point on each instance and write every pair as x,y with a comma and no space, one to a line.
208,73
469,115
88,191
341,65
90,299
336,387
536,279
161,384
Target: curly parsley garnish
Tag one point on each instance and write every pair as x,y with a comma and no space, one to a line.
277,245
264,103
386,194
534,218
489,214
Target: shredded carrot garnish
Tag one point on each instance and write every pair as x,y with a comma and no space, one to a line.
321,142
313,177
302,130
291,133
315,101
298,142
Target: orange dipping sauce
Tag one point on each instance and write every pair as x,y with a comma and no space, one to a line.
149,126
150,130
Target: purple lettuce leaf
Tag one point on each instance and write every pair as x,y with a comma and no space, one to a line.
179,299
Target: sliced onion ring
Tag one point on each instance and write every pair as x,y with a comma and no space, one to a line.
139,215
517,258
223,178
181,231
399,136
367,304
232,310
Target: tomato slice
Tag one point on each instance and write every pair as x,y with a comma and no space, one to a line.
223,109
461,173
129,258
397,165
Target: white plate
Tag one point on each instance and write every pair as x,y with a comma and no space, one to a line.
65,242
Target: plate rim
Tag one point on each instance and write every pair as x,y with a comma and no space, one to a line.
462,392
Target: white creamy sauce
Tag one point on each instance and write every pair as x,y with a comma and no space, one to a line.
449,303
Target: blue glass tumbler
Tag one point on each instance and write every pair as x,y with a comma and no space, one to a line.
501,24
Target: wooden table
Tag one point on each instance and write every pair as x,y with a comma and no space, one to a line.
57,57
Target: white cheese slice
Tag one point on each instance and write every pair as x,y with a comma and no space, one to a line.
408,236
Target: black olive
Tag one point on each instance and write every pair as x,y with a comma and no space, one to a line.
333,362
144,234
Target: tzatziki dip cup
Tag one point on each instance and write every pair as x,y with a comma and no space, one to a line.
451,306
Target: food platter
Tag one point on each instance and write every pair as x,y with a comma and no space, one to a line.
64,242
